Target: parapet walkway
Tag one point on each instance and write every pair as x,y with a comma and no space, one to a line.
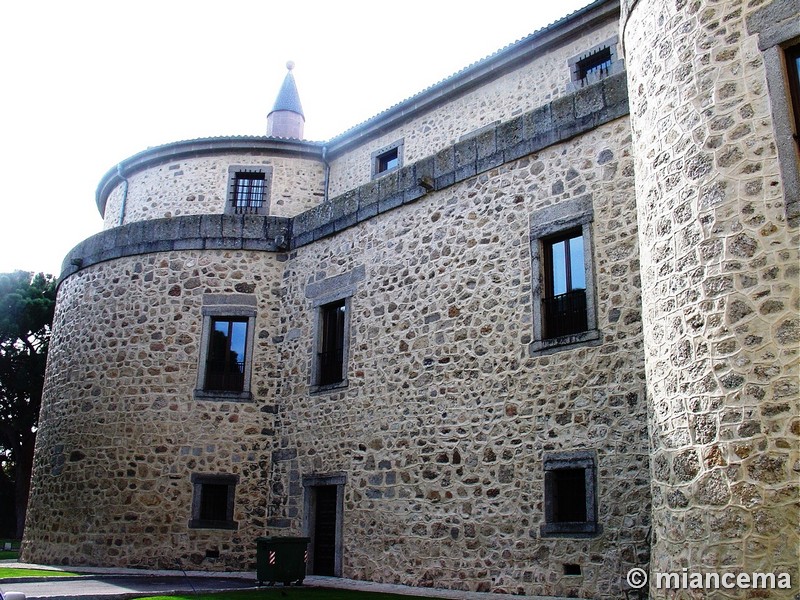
125,584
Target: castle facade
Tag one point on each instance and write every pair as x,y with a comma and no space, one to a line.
523,332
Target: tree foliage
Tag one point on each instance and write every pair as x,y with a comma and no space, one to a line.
27,304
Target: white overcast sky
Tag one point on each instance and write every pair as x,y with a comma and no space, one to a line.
85,84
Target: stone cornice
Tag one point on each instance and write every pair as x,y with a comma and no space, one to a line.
193,232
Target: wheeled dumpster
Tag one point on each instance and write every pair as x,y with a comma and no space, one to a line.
281,559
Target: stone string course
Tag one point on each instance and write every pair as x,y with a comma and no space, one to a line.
720,294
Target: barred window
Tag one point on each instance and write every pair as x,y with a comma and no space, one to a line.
248,192
248,189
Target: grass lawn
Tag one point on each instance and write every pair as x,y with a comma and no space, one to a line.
12,554
8,573
284,593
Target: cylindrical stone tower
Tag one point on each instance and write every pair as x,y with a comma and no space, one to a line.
719,274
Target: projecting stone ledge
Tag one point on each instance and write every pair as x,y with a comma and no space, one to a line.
195,232
566,117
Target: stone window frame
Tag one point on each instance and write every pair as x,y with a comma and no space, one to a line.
319,305
233,171
571,460
339,479
547,223
778,29
376,156
221,306
574,64
327,291
198,481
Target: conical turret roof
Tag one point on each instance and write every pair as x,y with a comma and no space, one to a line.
288,98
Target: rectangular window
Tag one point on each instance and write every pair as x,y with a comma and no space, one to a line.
594,64
213,501
564,303
569,493
387,161
331,343
792,55
248,192
226,354
225,361
597,64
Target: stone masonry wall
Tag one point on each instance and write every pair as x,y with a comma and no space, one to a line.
720,294
121,433
443,425
440,433
533,84
195,186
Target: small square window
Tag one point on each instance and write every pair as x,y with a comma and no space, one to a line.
387,159
597,64
331,343
594,64
213,501
569,493
248,190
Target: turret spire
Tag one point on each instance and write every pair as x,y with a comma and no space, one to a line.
286,119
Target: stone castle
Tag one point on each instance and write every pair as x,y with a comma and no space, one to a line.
531,328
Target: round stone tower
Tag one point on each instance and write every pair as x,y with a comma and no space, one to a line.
719,272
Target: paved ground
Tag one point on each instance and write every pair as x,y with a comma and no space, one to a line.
123,584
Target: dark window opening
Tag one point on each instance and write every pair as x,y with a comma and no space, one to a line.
248,192
331,344
226,355
564,302
568,493
213,500
597,64
792,55
570,569
388,160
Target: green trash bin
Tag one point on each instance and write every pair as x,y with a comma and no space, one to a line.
281,559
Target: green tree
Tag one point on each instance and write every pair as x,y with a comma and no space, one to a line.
27,304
